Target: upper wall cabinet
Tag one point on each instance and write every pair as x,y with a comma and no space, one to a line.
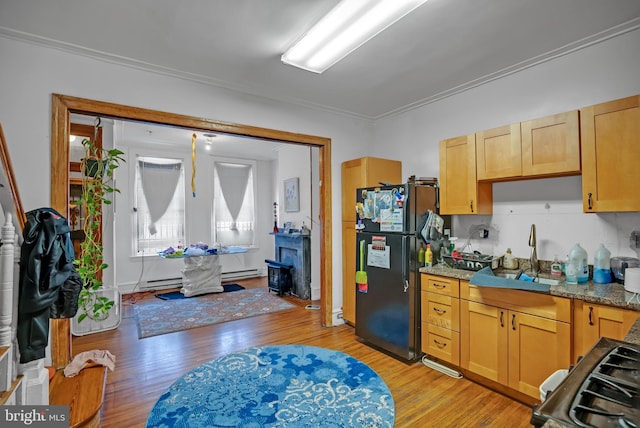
365,172
611,155
499,153
549,146
460,192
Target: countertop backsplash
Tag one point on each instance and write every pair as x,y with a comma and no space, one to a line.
559,219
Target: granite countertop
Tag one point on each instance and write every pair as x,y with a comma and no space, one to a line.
612,294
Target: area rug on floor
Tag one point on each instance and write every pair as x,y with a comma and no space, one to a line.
277,386
175,295
156,317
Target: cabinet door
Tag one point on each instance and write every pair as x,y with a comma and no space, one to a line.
610,143
365,172
592,321
537,348
349,271
498,153
483,340
460,193
551,145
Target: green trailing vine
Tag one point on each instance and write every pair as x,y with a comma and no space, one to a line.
98,167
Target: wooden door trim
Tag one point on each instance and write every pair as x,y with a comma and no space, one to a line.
63,106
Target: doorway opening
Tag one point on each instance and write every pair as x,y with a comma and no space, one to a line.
62,108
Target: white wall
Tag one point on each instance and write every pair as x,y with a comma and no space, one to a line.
303,163
602,72
605,71
133,271
31,73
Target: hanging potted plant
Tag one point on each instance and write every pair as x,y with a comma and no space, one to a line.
98,187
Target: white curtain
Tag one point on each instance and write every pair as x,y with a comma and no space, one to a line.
159,183
233,183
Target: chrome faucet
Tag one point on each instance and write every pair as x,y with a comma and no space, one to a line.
533,260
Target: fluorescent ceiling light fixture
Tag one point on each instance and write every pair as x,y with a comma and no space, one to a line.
344,29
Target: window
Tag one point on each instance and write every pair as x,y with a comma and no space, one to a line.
159,200
234,202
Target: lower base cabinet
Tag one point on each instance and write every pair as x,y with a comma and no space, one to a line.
503,342
592,321
440,311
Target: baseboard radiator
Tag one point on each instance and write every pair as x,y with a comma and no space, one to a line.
240,274
160,284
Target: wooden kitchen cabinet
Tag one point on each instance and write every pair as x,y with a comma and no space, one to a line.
498,152
349,271
357,173
610,144
512,337
440,318
551,145
460,191
365,172
592,321
544,147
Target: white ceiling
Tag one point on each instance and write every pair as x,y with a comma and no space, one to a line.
441,48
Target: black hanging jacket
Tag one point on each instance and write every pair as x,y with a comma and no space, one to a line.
49,285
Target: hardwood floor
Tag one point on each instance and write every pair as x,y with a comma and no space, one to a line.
146,368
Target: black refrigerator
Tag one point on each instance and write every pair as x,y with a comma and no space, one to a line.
387,281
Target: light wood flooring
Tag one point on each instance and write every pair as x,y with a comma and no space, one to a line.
145,368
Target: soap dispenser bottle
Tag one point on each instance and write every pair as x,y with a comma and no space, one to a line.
556,267
509,261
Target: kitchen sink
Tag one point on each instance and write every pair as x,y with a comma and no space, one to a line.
546,281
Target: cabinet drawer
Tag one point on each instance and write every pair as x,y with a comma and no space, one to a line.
441,343
442,311
440,285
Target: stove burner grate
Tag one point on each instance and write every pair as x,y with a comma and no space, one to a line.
609,396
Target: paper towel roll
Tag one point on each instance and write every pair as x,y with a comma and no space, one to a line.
632,280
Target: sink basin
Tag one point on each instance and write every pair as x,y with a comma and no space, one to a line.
546,281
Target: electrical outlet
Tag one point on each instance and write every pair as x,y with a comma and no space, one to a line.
634,239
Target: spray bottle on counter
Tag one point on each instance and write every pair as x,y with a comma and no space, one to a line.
428,256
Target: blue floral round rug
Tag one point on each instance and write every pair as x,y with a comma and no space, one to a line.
277,386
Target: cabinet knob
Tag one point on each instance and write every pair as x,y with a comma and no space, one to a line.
471,205
501,319
590,315
513,321
589,200
439,311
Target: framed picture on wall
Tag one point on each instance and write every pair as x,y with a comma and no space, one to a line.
291,195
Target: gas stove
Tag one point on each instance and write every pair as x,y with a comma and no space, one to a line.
602,390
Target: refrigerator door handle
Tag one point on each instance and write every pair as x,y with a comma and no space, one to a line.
405,280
